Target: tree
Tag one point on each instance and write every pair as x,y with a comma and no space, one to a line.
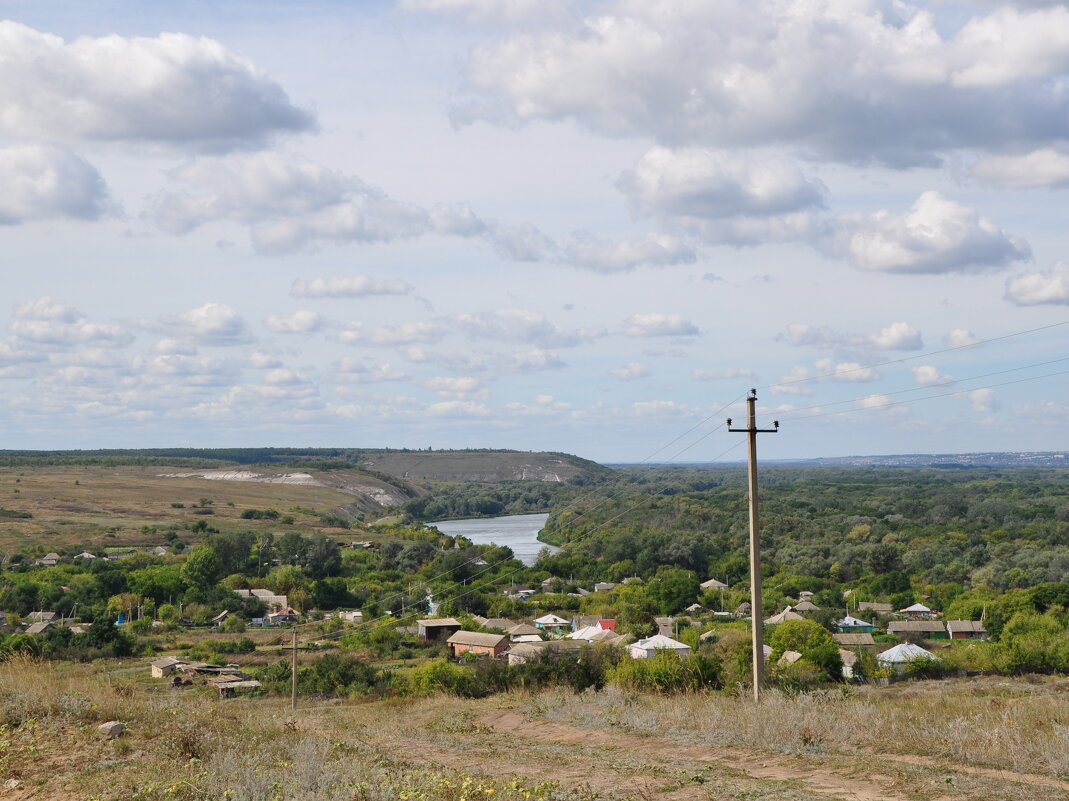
202,567
291,547
322,557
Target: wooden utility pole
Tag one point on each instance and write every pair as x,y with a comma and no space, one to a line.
293,671
756,613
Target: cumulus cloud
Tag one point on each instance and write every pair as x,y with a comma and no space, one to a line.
42,183
726,75
654,324
873,402
459,409
301,321
390,335
936,235
1043,167
530,361
960,338
521,325
458,387
356,286
261,360
723,196
896,336
630,371
48,322
928,375
982,400
210,324
590,253
849,372
505,11
172,89
1033,289
348,369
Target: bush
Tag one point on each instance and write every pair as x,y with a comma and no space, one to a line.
667,673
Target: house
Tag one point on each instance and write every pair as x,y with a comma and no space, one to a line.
523,630
165,666
287,616
519,591
582,621
49,560
552,622
218,619
41,617
713,584
40,628
849,660
783,617
917,629
479,643
352,616
917,611
694,608
902,655
603,586
502,623
85,555
854,640
271,600
527,651
664,626
873,606
805,595
437,628
966,630
648,647
852,625
806,606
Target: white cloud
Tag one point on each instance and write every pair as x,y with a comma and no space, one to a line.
896,336
598,255
352,370
847,372
793,382
928,375
936,235
1043,167
48,322
521,325
982,400
460,387
1033,289
404,334
178,347
263,361
459,409
660,408
42,183
858,81
505,11
654,324
173,89
959,338
873,402
531,361
210,324
630,371
301,321
356,286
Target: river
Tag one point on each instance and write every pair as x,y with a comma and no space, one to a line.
518,532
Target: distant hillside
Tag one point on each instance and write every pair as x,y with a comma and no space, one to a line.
948,460
482,466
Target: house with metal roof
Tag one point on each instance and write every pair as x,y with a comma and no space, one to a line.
478,643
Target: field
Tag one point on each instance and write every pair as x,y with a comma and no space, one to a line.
102,507
977,739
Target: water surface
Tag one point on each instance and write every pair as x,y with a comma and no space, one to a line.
518,532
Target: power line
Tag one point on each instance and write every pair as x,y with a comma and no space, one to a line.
976,344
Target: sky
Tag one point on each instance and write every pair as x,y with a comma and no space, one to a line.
588,227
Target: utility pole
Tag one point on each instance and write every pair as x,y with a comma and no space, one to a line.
756,613
293,671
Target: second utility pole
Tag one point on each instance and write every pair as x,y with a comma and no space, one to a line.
756,612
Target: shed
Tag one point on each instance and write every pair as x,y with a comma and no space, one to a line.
874,606
165,666
527,651
522,630
966,630
854,639
40,628
643,649
849,660
917,629
806,606
783,617
41,617
603,586
713,584
502,623
789,658
437,628
86,555
477,642
552,622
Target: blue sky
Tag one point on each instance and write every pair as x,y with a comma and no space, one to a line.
585,227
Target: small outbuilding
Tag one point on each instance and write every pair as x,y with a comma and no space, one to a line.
479,643
899,657
853,625
917,629
648,647
966,630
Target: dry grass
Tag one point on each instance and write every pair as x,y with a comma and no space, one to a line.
108,506
991,723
